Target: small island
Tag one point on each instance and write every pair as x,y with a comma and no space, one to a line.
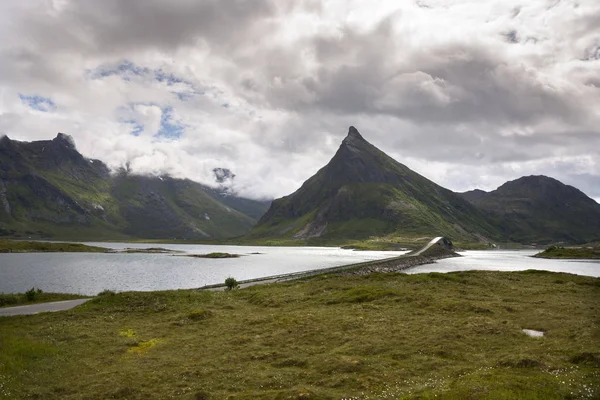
213,255
17,246
589,253
149,250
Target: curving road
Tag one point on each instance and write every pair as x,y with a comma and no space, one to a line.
41,307
427,246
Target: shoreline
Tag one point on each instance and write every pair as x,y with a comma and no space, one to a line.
386,265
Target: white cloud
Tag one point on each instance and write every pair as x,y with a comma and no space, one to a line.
469,93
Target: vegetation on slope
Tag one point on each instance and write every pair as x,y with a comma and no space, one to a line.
49,190
381,336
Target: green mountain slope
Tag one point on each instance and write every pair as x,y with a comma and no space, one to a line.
48,189
540,209
363,192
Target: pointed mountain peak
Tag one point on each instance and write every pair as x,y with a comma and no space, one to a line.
353,139
63,138
353,134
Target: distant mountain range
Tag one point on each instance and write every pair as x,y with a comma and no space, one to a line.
539,209
49,190
362,192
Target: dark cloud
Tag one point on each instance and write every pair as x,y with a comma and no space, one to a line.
111,26
375,72
511,36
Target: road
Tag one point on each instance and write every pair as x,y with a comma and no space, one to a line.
41,307
427,246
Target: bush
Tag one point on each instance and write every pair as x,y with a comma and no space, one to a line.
199,315
30,294
106,292
231,283
8,299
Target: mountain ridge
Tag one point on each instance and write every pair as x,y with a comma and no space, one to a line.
541,209
363,193
49,190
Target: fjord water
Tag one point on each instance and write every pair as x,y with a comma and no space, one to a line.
508,260
90,273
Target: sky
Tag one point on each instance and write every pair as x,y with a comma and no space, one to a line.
468,93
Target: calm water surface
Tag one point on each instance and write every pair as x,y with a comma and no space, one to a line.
90,273
508,260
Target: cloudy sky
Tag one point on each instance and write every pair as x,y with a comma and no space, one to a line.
469,93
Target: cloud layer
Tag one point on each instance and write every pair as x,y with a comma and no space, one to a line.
468,93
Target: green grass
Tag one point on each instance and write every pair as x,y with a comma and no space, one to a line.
35,296
382,336
570,252
15,246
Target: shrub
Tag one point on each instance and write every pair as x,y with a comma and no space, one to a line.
201,396
589,359
199,315
30,294
106,292
231,283
8,299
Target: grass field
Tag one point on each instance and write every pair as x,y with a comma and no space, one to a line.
381,336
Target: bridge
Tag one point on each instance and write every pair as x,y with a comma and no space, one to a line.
440,241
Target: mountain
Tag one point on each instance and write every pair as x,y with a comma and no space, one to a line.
473,196
363,192
540,209
48,189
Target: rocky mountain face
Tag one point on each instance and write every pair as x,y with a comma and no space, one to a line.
48,189
540,209
363,192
